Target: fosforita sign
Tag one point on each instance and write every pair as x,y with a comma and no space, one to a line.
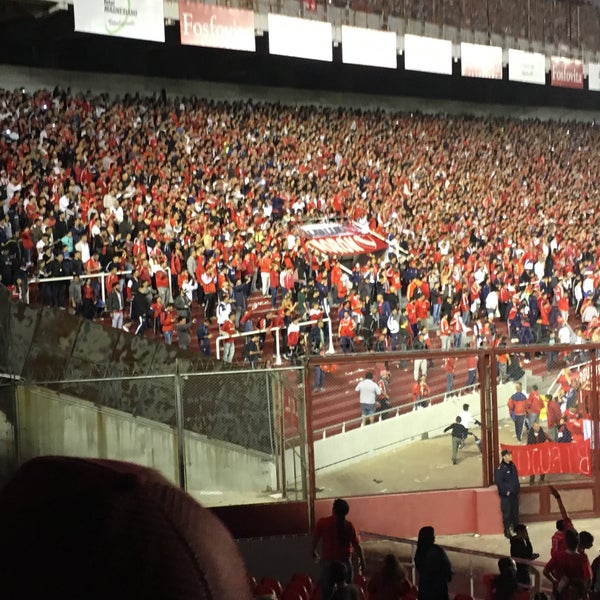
216,26
135,19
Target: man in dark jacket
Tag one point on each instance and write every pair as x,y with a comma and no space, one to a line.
507,482
140,308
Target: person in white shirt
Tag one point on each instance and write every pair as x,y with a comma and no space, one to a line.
368,391
223,311
466,419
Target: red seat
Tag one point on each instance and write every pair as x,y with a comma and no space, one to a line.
272,584
316,593
305,580
296,590
294,594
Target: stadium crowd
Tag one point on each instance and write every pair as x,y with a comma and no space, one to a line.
489,217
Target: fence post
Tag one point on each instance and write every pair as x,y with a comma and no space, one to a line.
277,348
179,423
331,349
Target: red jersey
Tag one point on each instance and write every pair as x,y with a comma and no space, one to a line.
334,545
228,329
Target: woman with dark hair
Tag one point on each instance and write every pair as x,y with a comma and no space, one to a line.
339,541
391,582
433,567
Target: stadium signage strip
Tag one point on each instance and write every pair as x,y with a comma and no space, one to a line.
216,26
135,19
526,67
234,29
566,72
430,55
300,38
369,47
594,76
484,62
540,459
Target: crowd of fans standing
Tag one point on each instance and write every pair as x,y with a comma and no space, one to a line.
483,216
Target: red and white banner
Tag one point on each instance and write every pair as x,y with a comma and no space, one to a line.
528,67
477,60
430,55
369,47
566,72
216,26
541,459
334,239
300,38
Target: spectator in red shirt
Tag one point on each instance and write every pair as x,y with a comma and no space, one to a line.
339,540
227,331
554,415
568,565
533,406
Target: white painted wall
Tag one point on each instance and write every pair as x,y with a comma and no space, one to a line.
53,423
380,437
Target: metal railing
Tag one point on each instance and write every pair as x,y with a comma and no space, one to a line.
101,275
396,411
540,584
277,331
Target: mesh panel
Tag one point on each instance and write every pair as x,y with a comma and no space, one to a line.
256,419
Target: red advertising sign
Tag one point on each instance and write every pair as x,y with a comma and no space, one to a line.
216,26
566,72
334,239
540,459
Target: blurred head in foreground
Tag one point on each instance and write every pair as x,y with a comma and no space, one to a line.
90,528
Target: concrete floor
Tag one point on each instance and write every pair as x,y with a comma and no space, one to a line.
421,465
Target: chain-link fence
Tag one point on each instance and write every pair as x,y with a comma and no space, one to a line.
230,438
387,422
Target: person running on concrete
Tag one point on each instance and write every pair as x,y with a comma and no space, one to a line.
459,433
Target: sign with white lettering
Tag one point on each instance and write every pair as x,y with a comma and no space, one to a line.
335,239
566,72
135,19
216,26
541,459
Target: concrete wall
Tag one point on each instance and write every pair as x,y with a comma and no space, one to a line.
14,77
53,423
382,436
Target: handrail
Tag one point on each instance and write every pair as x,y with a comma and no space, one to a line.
101,274
277,338
571,368
465,551
395,409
